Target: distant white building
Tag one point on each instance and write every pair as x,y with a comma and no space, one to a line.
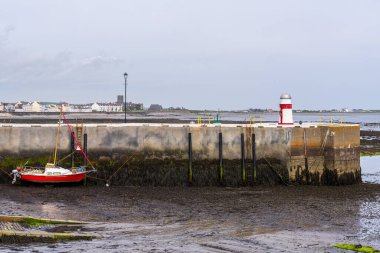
107,107
9,107
32,107
49,107
20,106
81,108
2,107
54,107
65,107
23,106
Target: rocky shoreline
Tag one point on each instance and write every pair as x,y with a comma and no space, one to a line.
370,142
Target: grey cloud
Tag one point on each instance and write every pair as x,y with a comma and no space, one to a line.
5,33
198,54
99,60
40,67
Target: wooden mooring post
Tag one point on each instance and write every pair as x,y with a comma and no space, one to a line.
72,150
243,171
254,157
85,160
220,158
190,168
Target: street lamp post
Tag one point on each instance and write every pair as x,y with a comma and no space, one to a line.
125,97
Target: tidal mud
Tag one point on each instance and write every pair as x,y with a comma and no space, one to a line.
205,219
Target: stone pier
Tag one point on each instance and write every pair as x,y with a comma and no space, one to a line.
158,154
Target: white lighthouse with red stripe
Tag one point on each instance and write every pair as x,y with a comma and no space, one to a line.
286,110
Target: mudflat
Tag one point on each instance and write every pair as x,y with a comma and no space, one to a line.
207,219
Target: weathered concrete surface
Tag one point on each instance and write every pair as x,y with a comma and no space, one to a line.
326,154
158,153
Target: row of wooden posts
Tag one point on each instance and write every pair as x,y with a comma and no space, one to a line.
190,154
220,165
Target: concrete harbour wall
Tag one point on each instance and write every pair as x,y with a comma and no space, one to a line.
158,154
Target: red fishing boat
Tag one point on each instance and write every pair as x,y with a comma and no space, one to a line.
52,173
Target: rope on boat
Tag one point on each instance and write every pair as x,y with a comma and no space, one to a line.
9,175
66,157
97,178
109,179
275,171
76,141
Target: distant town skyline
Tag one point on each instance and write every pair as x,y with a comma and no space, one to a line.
118,106
216,54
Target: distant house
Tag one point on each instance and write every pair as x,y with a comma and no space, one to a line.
54,107
32,107
9,107
49,107
20,106
134,106
65,107
346,110
81,108
35,106
2,107
177,109
107,107
95,107
155,107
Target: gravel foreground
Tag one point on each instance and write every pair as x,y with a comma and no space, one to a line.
215,219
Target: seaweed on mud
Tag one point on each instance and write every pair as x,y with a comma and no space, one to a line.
135,169
357,248
369,153
23,238
272,171
9,163
331,177
29,221
36,222
38,234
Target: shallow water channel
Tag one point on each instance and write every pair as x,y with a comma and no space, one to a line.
370,169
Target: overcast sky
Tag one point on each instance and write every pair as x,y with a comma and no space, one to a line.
198,54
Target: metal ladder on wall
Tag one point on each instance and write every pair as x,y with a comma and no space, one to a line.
79,132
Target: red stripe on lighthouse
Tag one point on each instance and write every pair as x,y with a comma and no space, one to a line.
286,106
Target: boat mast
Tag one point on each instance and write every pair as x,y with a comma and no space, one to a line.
57,137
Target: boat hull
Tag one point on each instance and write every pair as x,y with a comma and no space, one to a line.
51,179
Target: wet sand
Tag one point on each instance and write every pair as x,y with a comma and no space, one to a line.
186,219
